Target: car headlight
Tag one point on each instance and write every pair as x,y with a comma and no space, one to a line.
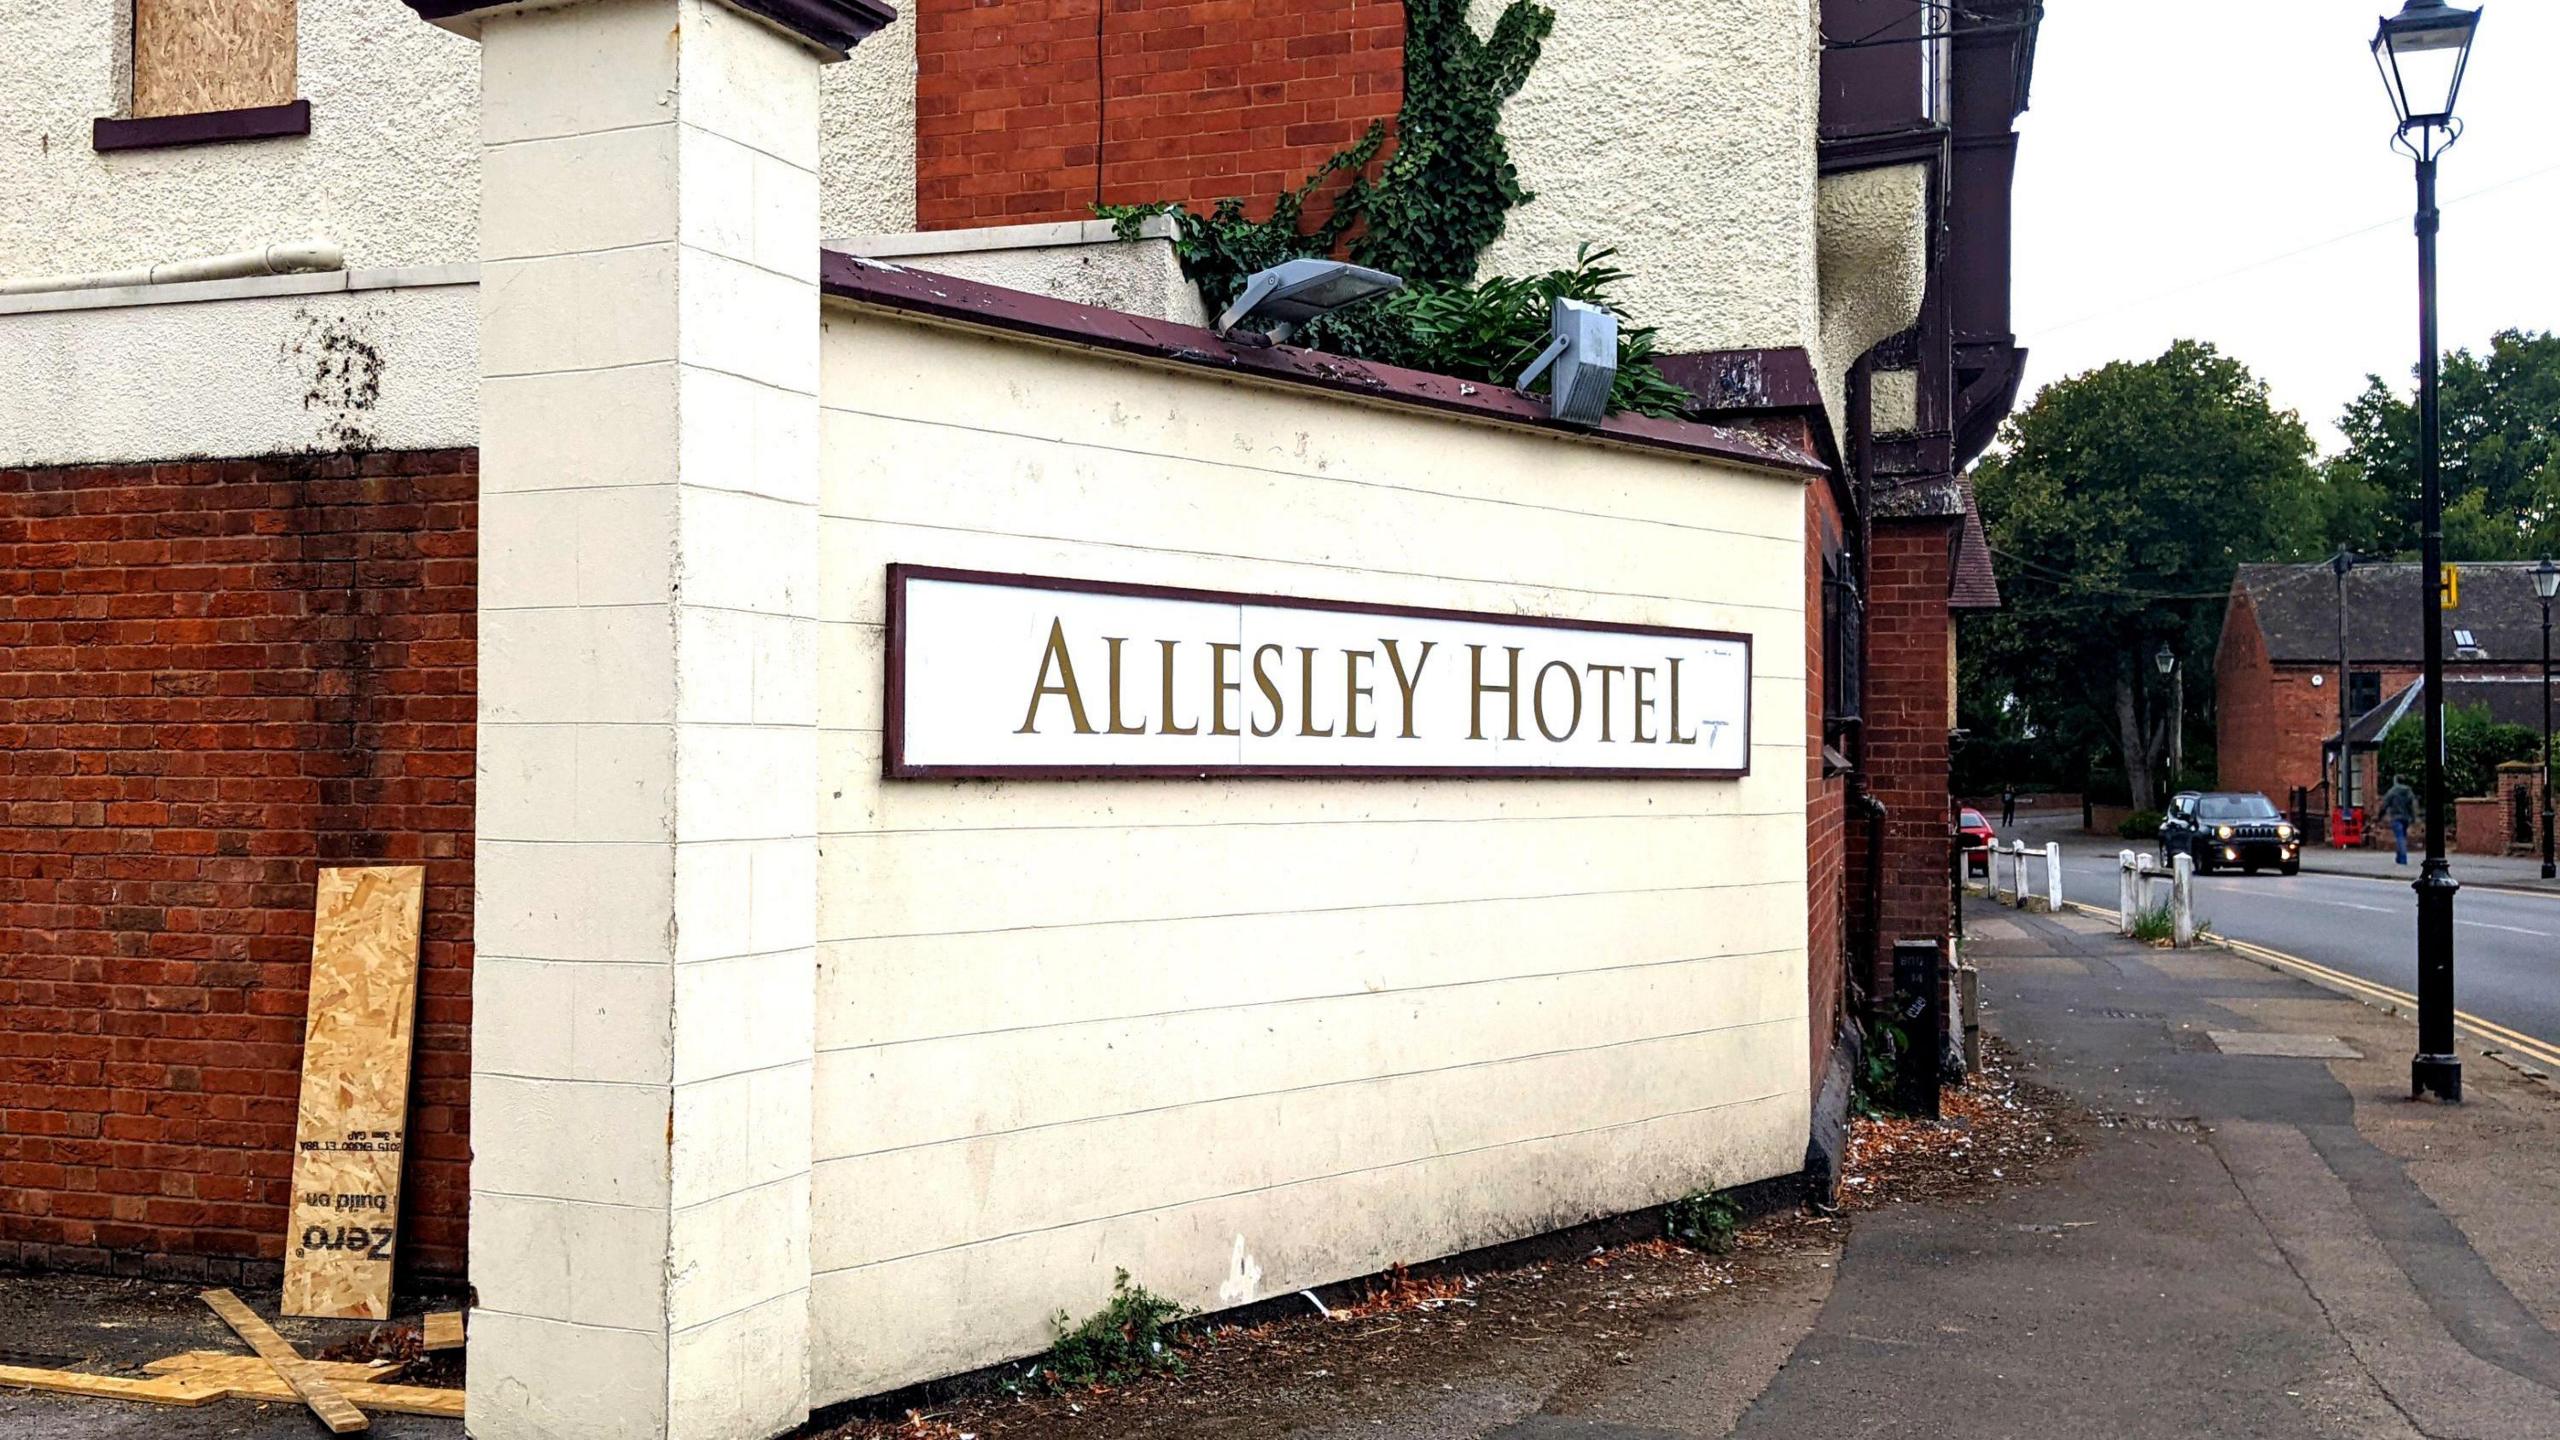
2284,832
2222,832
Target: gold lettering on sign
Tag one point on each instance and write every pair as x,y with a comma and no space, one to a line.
1353,693
1056,655
1406,683
1270,691
1166,725
1644,704
1220,652
1606,672
1478,690
1115,642
1538,698
1307,696
1676,737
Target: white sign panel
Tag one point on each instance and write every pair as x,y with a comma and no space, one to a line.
1032,676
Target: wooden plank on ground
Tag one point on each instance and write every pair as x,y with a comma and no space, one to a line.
222,1364
365,1394
317,1390
443,1330
159,1390
355,1092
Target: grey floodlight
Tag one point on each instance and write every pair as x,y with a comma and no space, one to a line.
1584,356
1294,292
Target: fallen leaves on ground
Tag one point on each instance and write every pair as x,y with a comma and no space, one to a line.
1996,1129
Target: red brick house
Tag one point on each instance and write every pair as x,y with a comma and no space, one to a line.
2296,641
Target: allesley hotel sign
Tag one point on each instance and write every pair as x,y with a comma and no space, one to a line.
1038,677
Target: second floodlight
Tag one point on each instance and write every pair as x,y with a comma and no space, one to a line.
1584,358
1294,292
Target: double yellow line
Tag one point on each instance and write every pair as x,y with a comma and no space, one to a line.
2541,1052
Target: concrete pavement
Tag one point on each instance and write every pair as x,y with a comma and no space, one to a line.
2261,1246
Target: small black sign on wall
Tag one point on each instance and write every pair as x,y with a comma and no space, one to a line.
1920,1013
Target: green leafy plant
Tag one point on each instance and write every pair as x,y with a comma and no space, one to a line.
1880,1068
1703,1220
2474,746
2140,825
1444,194
1427,217
1127,1339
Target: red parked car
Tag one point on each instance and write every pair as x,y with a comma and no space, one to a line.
1974,836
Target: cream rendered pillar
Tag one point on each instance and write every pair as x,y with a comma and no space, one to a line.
647,747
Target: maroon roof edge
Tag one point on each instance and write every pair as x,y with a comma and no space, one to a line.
993,307
835,24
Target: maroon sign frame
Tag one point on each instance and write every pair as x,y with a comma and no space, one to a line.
895,766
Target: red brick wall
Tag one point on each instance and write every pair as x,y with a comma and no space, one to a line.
1825,853
1910,686
213,679
1034,110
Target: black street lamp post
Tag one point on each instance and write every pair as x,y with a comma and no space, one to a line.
2166,662
2546,584
2421,52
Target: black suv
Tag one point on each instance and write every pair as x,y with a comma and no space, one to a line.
2229,828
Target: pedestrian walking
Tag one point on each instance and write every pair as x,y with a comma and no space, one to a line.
2008,805
2400,807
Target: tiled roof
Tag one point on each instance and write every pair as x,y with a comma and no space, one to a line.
2297,609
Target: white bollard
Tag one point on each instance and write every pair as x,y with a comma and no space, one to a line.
2126,893
2141,890
2018,861
2053,876
2182,899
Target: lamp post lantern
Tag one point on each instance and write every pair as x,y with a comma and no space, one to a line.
2546,584
2167,664
2422,52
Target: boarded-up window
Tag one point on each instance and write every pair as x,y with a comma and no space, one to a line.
192,57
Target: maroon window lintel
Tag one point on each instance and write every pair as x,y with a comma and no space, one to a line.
211,127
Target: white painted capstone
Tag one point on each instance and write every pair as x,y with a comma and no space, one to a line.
1244,1036
1684,136
1084,261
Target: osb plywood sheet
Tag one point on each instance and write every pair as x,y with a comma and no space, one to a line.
191,56
355,1092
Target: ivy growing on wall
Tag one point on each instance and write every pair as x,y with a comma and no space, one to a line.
1428,216
1444,194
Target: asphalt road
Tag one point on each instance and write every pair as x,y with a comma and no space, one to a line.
2506,945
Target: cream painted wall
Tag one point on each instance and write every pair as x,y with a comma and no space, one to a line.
390,169
1243,1037
1684,135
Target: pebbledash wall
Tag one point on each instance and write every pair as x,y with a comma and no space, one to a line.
1244,1036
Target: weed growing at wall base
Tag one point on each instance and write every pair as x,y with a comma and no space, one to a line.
1703,1220
1125,1340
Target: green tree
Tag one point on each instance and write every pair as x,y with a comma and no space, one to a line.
2120,503
2501,413
2475,745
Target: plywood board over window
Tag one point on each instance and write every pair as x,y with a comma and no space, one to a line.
194,57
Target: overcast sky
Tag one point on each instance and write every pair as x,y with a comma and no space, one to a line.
2222,170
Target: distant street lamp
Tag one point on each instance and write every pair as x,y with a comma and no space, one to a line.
2422,52
2546,584
2167,663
